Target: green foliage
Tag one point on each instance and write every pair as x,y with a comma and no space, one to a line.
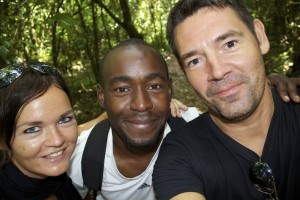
75,34
4,51
65,21
83,88
282,24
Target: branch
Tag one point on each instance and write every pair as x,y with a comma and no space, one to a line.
117,20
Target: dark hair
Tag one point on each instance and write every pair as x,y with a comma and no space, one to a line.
30,85
130,42
186,8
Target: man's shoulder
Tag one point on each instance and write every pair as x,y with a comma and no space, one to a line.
189,130
279,104
83,137
81,142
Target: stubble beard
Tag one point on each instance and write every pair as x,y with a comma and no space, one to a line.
142,144
243,107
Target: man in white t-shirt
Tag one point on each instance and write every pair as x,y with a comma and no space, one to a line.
135,90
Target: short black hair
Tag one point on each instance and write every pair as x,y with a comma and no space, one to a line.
128,42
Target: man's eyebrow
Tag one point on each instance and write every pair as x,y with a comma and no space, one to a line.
218,39
156,75
128,78
228,34
188,54
119,79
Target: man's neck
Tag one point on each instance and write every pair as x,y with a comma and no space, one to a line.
252,131
132,161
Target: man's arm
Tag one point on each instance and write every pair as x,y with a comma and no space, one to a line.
188,196
286,86
176,108
91,123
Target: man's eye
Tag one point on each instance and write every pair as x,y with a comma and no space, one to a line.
122,90
231,44
32,130
193,63
65,120
154,86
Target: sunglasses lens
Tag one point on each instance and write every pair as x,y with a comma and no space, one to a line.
44,68
261,177
9,74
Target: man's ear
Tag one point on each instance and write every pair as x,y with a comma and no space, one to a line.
100,95
261,36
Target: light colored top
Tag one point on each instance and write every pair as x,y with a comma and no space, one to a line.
114,184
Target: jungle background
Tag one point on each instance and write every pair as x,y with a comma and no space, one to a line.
73,35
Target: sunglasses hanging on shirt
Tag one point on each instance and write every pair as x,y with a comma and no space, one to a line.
262,179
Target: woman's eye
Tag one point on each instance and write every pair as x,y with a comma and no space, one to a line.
32,130
65,120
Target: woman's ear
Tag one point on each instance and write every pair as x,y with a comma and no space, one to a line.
261,36
100,95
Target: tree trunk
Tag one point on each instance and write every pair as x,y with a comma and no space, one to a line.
55,40
127,23
96,42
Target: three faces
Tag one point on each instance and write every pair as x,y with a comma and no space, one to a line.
222,62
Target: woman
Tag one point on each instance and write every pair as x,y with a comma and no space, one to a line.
38,133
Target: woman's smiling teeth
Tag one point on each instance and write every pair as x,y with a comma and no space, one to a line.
54,155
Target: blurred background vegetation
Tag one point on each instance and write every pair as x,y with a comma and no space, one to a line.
75,34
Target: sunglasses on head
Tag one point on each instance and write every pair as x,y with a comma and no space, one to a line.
262,179
12,72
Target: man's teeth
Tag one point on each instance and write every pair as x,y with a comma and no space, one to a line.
54,155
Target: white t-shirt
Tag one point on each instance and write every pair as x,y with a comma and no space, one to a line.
114,184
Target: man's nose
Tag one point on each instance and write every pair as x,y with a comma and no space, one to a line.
141,101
